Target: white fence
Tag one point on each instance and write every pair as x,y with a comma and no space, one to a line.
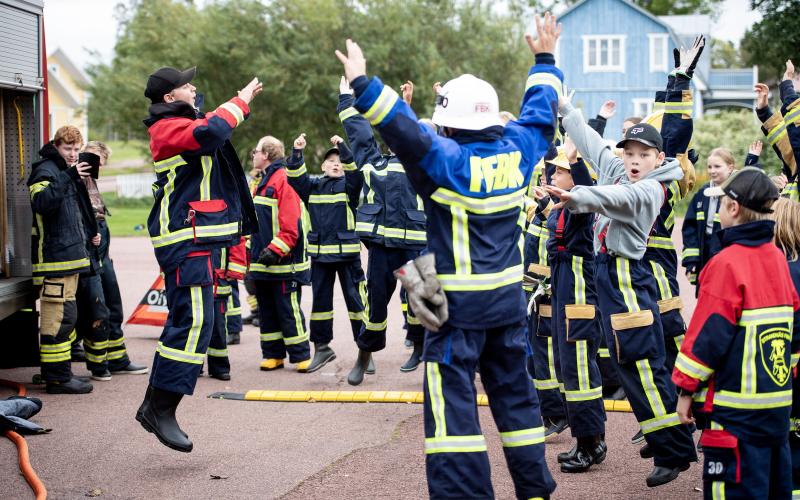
135,185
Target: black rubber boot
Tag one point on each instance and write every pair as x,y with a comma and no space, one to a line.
71,386
157,415
234,338
566,456
356,375
371,366
664,475
589,451
323,355
557,426
414,360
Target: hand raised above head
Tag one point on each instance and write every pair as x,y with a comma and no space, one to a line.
789,73
336,140
762,95
547,33
300,142
354,63
252,89
407,90
344,86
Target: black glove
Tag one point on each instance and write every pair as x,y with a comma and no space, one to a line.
267,257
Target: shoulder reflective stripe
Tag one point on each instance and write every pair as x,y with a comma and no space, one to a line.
328,198
321,316
275,269
348,113
690,252
767,315
382,105
753,401
297,171
280,244
189,233
217,353
60,266
664,291
545,384
455,444
661,242
167,164
460,228
548,79
524,437
479,282
38,187
264,200
437,402
692,368
490,205
776,134
625,285
205,183
271,336
235,110
586,395
198,311
193,358
650,388
163,208
580,283
660,422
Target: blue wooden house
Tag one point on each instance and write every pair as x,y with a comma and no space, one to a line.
614,49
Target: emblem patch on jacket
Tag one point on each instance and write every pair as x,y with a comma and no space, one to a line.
774,353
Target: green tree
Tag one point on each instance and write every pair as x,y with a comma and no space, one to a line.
725,55
773,39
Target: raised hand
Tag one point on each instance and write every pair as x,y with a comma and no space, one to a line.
570,150
344,86
407,90
762,95
336,140
354,63
562,195
755,148
251,90
547,33
608,109
300,142
690,56
789,73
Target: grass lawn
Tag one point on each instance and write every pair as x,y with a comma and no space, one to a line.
128,150
127,214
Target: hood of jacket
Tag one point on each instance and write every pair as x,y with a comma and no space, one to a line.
50,153
161,110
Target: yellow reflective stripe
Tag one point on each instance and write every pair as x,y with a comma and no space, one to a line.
478,282
408,234
235,110
682,107
603,352
455,444
116,342
582,364
375,327
196,294
193,358
580,283
717,490
232,266
658,106
766,316
545,384
333,249
114,355
678,341
750,348
205,182
280,244
700,216
412,320
55,348
66,265
55,357
302,335
163,216
551,359
270,336
625,286
356,316
217,353
278,269
690,252
777,133
548,79
753,401
95,346
167,164
490,205
38,187
665,292
349,167
347,113
692,368
795,358
95,358
660,242
587,395
660,422
650,389
224,290
437,402
188,233
460,228
382,105
792,116
298,171
524,437
233,311
328,198
321,316
40,242
263,200
538,231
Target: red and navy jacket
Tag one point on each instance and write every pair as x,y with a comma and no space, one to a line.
569,232
744,337
782,130
281,228
331,206
201,196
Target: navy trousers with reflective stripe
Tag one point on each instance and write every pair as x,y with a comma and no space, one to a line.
234,309
381,284
577,343
117,354
543,365
218,362
671,321
93,317
625,286
353,283
765,472
457,464
282,321
187,332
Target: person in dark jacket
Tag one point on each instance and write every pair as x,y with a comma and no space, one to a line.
201,205
59,201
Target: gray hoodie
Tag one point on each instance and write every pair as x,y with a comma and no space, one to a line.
627,211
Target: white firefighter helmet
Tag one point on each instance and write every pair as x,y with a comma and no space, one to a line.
467,103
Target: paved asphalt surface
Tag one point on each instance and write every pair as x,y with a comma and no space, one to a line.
275,450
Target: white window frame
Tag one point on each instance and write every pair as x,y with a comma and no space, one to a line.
609,68
642,104
658,65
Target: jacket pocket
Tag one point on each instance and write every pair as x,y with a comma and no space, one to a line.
195,270
633,336
203,215
415,226
349,241
581,321
367,218
721,458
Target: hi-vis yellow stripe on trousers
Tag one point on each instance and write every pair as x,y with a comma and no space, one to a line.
626,285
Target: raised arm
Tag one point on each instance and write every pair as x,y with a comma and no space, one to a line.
296,171
356,128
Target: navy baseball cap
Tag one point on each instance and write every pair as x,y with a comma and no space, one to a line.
750,187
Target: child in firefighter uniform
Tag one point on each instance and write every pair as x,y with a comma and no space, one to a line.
629,197
391,223
473,182
575,323
279,261
229,267
742,344
333,245
201,205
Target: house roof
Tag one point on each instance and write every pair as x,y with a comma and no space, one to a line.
55,83
77,74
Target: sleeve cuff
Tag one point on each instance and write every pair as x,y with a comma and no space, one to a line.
764,113
546,58
360,84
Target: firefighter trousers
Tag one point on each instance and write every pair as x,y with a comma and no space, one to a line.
218,362
354,289
669,306
282,322
93,317
577,333
182,347
117,354
457,463
59,315
381,283
627,298
233,309
543,365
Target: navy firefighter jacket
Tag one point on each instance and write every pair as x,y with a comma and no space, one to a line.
572,232
473,186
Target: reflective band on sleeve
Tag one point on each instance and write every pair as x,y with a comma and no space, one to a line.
690,252
776,134
767,315
455,444
263,200
548,79
792,116
297,171
681,107
280,244
347,113
524,437
382,105
38,187
235,110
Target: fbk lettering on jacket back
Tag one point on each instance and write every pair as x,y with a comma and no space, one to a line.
495,172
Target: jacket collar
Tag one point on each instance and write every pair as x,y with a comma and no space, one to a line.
486,135
751,234
175,109
49,152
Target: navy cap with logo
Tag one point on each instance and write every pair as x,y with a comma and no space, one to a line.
165,80
332,151
645,134
750,187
